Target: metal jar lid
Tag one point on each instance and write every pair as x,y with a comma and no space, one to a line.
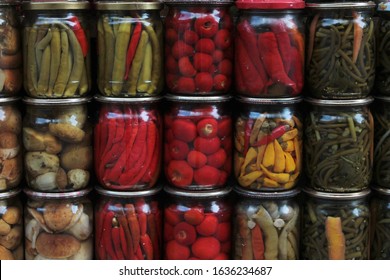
339,102
337,196
128,6
198,194
270,101
10,193
380,190
59,195
341,5
53,6
135,100
199,2
9,99
266,195
198,99
58,102
125,194
382,98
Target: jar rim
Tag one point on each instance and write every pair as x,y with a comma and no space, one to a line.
198,2
136,193
9,99
339,102
63,5
106,99
267,195
341,5
68,101
381,190
337,196
382,98
128,6
56,195
10,193
203,99
269,101
198,193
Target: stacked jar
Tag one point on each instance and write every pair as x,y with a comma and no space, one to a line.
57,132
198,128
339,129
128,131
269,74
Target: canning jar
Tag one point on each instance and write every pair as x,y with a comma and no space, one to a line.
380,224
11,157
130,48
339,143
382,80
198,141
336,226
268,143
266,226
128,143
198,47
11,226
11,81
269,48
57,139
197,225
341,52
128,225
381,114
56,49
58,226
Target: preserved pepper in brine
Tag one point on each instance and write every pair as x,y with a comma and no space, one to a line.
128,225
198,47
341,51
339,139
56,50
128,143
382,79
130,50
268,144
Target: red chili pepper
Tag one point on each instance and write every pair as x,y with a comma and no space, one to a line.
280,30
272,60
296,72
138,253
147,246
124,245
276,133
151,175
116,239
99,231
132,47
129,252
106,235
133,225
80,34
152,232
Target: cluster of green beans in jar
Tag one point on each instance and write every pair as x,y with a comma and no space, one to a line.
382,77
336,229
339,146
340,54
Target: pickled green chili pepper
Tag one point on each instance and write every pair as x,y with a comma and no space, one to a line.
55,46
65,66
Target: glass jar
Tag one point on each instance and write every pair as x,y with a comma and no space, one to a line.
380,111
382,80
336,226
58,226
128,225
197,225
11,157
128,143
266,225
11,81
268,143
11,226
198,47
269,49
56,49
57,139
130,49
340,54
339,142
380,225
198,141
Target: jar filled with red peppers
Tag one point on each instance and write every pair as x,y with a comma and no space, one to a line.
128,143
269,48
197,225
11,226
58,226
56,49
11,81
130,48
268,143
11,152
198,141
57,140
128,225
198,47
266,225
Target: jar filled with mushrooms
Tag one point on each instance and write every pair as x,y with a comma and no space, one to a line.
11,226
57,139
11,158
58,226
